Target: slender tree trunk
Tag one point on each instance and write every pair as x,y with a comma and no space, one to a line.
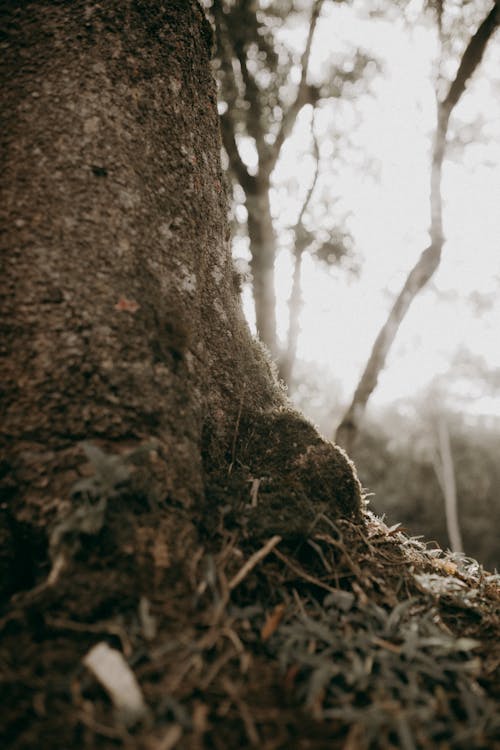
429,260
263,252
347,431
287,362
445,473
121,324
300,237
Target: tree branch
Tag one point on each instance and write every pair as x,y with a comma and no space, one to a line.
290,115
237,164
254,112
471,58
307,199
295,302
430,258
418,277
228,131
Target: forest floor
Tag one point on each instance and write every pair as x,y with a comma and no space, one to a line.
358,637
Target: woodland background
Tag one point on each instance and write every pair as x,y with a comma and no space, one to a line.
300,85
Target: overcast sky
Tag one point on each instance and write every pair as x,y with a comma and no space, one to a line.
390,218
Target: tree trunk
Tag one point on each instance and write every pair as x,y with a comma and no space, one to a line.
246,105
348,428
122,327
423,270
300,242
263,257
445,473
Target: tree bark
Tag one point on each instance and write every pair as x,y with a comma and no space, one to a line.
127,563
122,326
425,267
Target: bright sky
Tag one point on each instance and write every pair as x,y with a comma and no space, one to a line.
390,217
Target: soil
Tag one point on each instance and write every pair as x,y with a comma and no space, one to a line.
353,636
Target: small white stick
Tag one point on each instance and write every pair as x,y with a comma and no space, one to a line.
114,674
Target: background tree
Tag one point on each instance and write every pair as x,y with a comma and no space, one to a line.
301,240
263,88
429,260
396,457
445,472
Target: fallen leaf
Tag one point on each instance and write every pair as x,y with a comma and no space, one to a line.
272,621
126,305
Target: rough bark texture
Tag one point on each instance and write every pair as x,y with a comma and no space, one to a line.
121,321
430,258
108,253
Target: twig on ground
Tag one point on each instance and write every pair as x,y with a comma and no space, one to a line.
245,714
253,561
302,573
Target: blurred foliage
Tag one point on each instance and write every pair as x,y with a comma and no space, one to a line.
260,45
398,448
258,68
259,65
395,459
